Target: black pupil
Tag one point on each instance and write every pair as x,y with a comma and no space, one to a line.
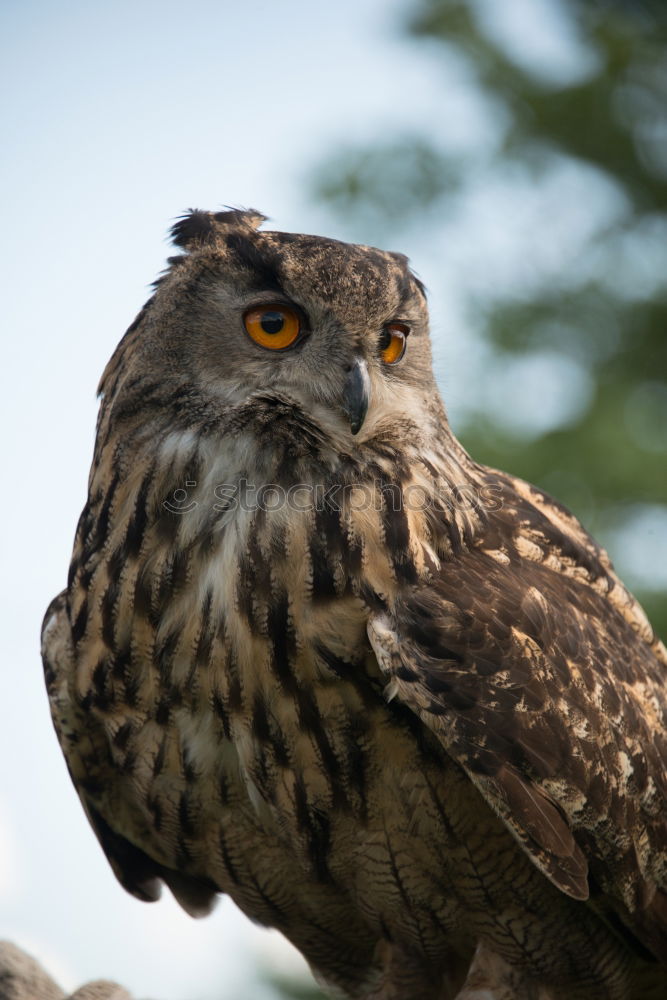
272,322
385,340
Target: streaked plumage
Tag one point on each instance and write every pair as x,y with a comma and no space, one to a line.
397,706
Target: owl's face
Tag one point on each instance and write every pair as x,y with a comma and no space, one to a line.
340,329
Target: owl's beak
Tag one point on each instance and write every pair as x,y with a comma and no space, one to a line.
357,394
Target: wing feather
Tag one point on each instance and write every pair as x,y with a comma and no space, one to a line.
136,871
540,674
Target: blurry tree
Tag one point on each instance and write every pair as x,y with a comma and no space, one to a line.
295,988
598,315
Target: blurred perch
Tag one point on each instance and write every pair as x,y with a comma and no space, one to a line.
23,978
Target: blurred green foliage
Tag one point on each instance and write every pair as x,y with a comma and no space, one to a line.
295,989
606,310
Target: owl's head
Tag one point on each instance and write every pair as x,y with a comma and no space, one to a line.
339,329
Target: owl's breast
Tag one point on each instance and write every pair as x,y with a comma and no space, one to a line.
221,647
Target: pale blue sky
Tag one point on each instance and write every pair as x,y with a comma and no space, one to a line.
116,118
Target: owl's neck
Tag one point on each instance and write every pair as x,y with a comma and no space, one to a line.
268,483
274,479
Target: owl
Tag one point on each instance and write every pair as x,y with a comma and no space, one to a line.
312,655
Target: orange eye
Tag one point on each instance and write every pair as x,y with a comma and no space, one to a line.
275,327
393,342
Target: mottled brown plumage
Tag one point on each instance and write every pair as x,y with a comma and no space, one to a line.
395,704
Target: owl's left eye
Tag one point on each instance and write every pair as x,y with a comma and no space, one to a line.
275,327
393,341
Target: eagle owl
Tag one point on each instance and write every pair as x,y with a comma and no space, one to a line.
394,703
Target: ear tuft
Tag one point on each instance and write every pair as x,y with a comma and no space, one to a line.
419,283
193,227
234,218
198,228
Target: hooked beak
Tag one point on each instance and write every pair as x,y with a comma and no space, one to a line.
357,394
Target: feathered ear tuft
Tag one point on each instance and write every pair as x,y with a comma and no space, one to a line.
250,218
194,227
419,283
198,228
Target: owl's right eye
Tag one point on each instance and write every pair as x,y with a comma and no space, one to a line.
274,327
393,342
